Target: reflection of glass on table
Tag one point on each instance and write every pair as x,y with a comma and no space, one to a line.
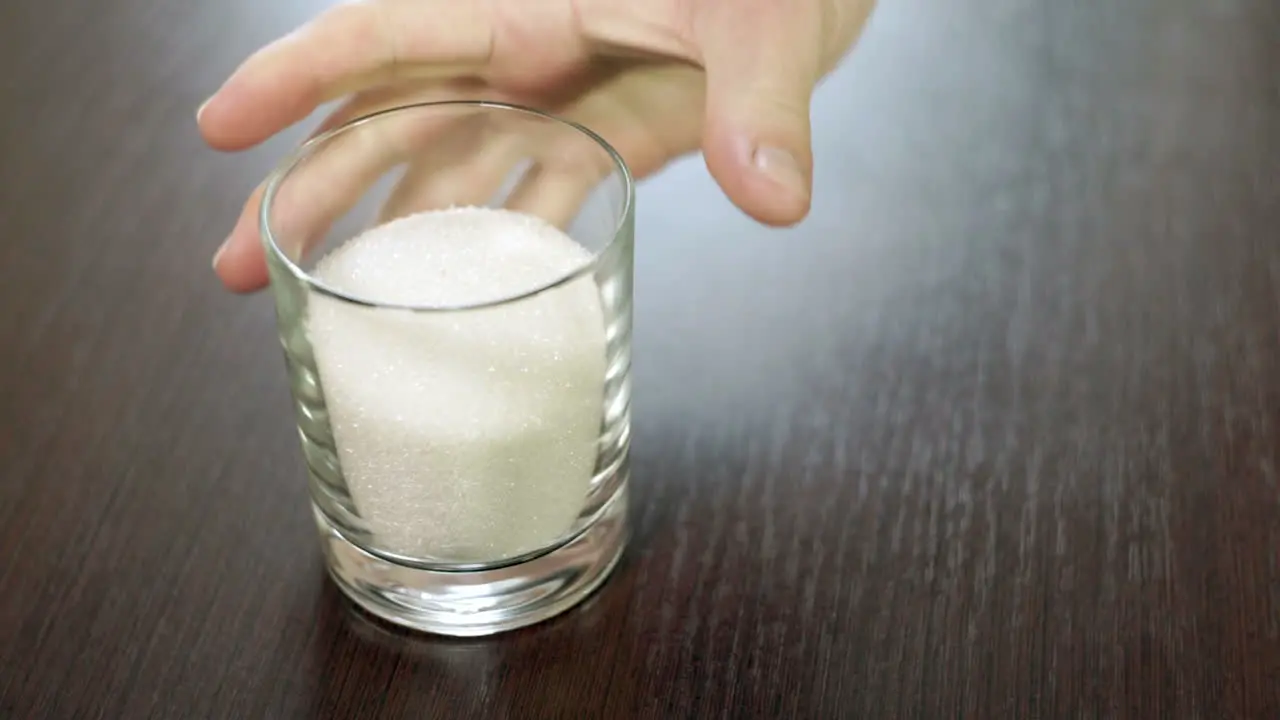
461,368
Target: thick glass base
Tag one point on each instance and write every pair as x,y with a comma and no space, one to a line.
483,602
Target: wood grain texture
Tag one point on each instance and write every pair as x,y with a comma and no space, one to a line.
995,434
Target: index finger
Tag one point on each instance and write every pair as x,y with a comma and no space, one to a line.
349,47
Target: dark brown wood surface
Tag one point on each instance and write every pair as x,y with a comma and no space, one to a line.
995,434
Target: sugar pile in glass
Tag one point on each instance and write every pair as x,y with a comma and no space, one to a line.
464,436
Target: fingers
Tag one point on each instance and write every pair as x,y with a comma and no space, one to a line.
762,64
464,168
649,115
554,196
326,185
472,163
241,263
351,46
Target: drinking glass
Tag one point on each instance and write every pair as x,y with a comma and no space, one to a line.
492,502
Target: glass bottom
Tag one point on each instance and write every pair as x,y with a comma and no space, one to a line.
483,602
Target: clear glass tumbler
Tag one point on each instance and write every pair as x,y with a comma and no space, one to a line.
468,473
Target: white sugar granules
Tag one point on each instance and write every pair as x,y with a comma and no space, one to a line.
469,435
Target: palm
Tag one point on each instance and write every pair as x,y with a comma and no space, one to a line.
650,112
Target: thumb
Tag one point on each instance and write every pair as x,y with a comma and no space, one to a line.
761,70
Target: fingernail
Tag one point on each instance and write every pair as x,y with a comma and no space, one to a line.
780,166
218,255
200,110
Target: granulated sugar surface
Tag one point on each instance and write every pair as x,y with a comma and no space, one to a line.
468,435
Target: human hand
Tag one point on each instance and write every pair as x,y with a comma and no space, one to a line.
656,78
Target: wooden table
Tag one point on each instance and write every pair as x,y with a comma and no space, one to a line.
995,434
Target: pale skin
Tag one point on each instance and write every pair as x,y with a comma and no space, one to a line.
656,78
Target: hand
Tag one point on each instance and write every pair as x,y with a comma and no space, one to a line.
655,78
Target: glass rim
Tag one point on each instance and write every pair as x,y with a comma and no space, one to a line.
306,149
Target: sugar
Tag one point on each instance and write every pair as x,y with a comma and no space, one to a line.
468,435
